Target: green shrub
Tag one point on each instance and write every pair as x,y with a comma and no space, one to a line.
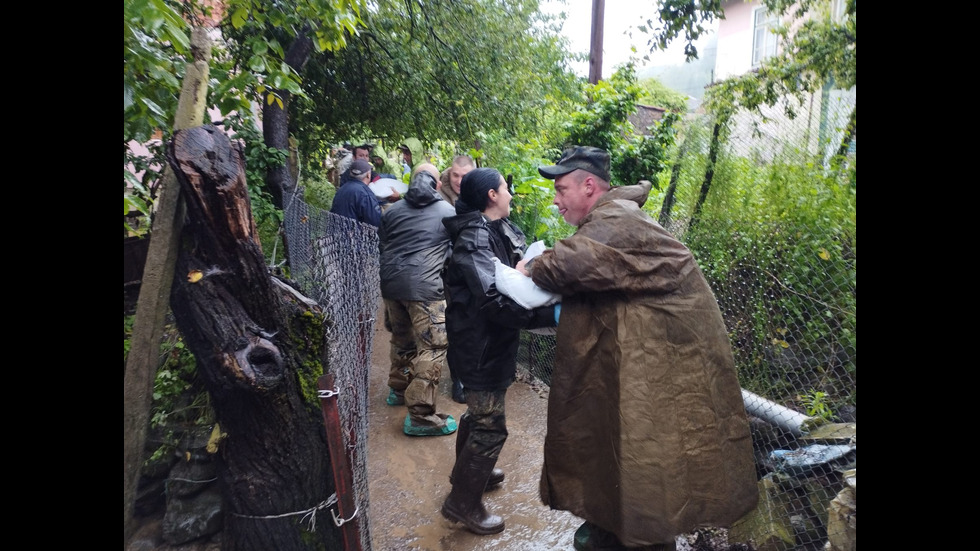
318,191
777,242
179,398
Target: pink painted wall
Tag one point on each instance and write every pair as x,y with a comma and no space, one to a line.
734,55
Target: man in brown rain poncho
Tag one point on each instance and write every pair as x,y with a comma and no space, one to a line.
647,432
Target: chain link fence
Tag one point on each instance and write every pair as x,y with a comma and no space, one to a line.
771,220
334,260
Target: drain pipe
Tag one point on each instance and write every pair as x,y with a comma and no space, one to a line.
783,417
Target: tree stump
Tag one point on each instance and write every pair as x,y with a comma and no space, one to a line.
260,347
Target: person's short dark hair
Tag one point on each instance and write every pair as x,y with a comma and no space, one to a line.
588,158
366,146
360,167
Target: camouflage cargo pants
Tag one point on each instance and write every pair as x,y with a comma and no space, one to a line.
418,353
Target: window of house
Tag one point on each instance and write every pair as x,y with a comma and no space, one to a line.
763,41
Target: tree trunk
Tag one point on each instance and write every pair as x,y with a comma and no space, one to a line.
260,347
850,133
275,122
675,174
709,174
151,309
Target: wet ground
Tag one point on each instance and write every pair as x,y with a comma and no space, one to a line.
409,476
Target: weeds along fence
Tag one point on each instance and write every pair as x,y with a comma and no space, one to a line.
772,222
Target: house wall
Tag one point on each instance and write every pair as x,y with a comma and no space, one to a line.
646,116
734,55
820,118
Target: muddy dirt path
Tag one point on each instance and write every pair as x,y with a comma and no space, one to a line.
409,476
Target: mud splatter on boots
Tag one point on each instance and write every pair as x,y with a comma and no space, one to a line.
465,502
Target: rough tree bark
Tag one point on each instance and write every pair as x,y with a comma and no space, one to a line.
709,174
260,346
675,173
275,121
850,133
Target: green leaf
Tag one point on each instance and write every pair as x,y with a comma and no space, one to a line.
162,74
277,48
228,105
256,64
153,107
239,18
153,21
130,178
131,203
178,37
294,87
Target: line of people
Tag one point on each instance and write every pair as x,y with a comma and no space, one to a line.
647,436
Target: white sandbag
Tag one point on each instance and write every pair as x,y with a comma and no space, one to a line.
521,288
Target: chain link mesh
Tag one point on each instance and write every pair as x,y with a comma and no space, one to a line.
334,260
776,238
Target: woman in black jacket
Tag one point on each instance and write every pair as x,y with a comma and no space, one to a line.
483,327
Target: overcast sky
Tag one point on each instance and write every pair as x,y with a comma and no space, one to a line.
620,16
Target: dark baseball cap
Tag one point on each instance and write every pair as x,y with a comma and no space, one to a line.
360,167
591,159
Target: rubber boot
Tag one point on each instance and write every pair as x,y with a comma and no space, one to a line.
590,537
458,395
465,501
463,434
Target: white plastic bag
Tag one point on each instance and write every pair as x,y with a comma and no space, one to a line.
522,290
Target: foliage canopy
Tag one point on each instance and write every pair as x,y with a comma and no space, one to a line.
443,71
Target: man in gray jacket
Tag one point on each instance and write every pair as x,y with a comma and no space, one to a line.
414,248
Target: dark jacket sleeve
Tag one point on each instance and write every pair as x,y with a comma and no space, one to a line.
368,208
478,269
502,310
